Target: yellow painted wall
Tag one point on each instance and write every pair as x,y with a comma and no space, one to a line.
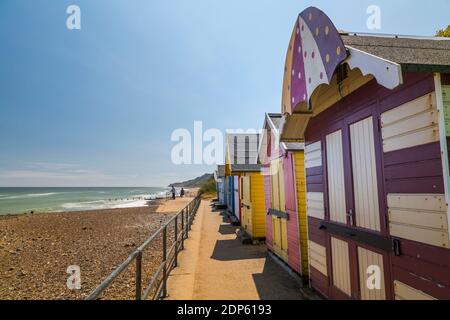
252,199
258,205
300,181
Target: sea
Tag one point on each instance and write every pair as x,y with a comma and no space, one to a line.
25,200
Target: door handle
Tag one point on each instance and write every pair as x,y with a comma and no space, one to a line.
350,216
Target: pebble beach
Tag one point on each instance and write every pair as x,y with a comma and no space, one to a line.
37,249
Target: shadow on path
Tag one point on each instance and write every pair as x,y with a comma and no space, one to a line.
226,229
228,250
274,283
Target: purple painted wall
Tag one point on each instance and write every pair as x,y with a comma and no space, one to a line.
413,170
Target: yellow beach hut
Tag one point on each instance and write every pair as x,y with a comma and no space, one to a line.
242,160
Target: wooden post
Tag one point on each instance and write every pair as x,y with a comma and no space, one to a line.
183,232
138,278
175,259
164,287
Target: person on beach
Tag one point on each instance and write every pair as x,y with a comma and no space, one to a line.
173,193
182,193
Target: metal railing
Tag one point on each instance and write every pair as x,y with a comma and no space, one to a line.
157,286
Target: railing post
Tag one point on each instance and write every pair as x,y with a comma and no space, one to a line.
164,287
187,223
183,232
175,259
190,217
139,276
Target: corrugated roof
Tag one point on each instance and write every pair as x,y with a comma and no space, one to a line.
243,148
403,50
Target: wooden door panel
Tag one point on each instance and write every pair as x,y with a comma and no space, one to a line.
284,238
276,235
340,259
364,172
275,185
371,269
335,175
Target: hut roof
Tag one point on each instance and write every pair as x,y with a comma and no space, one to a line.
293,146
245,167
276,119
403,50
243,152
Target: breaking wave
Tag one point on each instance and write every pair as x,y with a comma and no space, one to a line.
25,196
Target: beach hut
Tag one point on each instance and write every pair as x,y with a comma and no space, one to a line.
373,112
242,162
285,197
233,186
219,176
233,196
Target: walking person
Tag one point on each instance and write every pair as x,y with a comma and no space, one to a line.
182,193
173,192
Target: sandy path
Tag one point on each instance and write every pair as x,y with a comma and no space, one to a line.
215,265
35,250
171,206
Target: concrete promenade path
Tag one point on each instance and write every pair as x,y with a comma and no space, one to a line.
216,266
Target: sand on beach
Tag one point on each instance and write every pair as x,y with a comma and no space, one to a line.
37,249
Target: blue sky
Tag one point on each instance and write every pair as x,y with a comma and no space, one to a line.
97,106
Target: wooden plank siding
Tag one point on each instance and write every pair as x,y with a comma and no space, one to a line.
411,124
300,185
268,204
314,176
318,257
258,209
405,292
414,170
413,173
313,155
423,267
315,205
409,168
314,167
419,217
